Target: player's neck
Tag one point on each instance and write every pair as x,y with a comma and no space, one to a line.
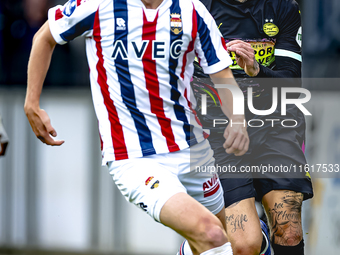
241,1
152,4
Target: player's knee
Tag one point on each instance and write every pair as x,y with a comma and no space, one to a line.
243,247
290,239
211,232
215,236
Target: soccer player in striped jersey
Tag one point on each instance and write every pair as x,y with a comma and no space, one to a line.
140,55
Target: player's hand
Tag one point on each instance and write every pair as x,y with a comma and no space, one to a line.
41,126
236,135
3,139
245,56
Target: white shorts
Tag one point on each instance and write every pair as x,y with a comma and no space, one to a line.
148,182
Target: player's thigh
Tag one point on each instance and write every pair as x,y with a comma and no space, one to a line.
202,183
205,187
280,188
146,183
243,226
283,209
191,215
221,216
189,218
280,158
237,184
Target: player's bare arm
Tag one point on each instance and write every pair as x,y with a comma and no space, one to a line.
237,140
39,62
245,56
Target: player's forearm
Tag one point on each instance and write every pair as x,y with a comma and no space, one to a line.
39,62
285,68
287,73
226,77
266,72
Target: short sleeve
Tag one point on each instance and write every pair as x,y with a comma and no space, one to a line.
210,46
75,18
207,4
289,38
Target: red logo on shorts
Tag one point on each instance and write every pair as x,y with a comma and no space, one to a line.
211,186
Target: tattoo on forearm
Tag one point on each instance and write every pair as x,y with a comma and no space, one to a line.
285,218
236,222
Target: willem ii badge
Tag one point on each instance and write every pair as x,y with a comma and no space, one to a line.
176,23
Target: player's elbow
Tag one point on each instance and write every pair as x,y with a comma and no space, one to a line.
35,37
295,73
44,35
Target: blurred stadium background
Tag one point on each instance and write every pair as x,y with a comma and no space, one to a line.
60,201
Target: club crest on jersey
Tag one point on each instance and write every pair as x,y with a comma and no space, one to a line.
270,28
176,23
70,6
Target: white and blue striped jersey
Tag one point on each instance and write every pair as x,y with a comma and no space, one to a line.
141,64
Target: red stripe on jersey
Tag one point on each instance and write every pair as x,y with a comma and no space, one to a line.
192,42
186,97
117,135
205,135
193,35
181,249
193,110
58,14
223,43
78,2
152,84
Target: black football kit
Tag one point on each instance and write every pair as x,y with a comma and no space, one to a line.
275,158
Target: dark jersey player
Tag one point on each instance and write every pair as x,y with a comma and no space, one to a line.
268,31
